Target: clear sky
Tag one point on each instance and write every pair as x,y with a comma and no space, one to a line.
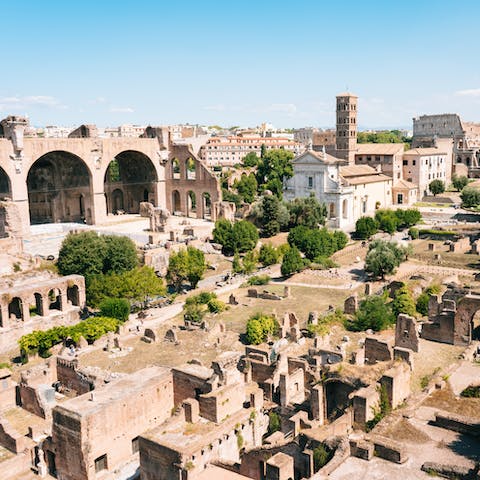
239,62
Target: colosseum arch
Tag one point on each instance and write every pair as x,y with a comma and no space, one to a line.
5,186
59,188
130,179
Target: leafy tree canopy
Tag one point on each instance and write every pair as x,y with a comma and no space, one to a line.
436,187
383,257
273,167
373,313
459,182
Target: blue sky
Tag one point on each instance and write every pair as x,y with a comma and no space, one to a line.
238,63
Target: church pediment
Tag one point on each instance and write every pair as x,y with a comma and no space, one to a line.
308,159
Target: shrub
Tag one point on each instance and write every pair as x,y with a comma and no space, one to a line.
259,328
203,297
274,424
383,257
321,456
268,255
422,303
118,308
366,227
472,391
470,197
216,306
373,313
292,262
91,329
258,280
413,233
387,221
403,302
194,312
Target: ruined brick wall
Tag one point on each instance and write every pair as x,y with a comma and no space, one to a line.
188,386
158,462
71,378
84,430
216,406
378,350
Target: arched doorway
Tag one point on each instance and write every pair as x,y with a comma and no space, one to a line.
73,296
175,165
5,189
59,189
15,308
207,205
337,398
54,299
129,178
331,211
191,171
191,204
176,202
38,309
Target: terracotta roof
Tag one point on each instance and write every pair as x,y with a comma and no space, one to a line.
357,170
405,184
424,151
325,158
368,179
379,148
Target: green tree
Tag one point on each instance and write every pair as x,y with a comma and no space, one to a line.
118,308
259,328
268,255
459,182
422,303
271,209
237,266
250,159
436,187
245,236
470,197
250,262
121,254
292,262
407,218
387,221
89,254
83,254
222,234
247,187
383,257
373,313
273,167
308,212
186,265
403,302
366,227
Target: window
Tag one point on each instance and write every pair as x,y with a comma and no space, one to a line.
310,182
414,162
405,162
101,463
135,445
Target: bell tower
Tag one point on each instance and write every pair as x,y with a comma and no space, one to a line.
346,133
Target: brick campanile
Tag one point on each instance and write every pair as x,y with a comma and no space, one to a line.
346,134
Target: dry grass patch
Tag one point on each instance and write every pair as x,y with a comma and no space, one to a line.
446,400
404,431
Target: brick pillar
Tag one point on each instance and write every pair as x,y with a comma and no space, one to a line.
63,300
25,311
98,208
5,320
317,406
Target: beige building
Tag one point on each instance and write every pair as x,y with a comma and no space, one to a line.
422,165
348,191
220,151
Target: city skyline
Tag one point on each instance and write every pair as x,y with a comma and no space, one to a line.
212,63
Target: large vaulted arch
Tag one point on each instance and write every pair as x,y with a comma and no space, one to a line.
5,187
59,189
129,180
